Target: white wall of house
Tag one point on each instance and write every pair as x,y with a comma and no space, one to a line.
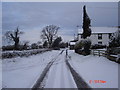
99,30
105,39
94,38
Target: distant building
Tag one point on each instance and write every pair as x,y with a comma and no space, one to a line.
72,45
100,35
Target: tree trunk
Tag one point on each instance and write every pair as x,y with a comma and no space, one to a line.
16,43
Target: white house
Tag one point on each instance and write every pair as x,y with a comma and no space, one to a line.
100,35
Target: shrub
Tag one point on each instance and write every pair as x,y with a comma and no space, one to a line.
34,46
83,47
114,50
63,45
115,39
10,47
79,45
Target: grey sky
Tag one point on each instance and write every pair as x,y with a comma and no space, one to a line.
34,16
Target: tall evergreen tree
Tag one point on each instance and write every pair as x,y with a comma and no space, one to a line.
86,24
86,32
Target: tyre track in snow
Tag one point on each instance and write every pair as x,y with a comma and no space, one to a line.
38,83
59,75
81,84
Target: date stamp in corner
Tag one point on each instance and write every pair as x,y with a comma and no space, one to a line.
96,81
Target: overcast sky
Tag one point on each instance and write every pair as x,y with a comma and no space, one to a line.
32,17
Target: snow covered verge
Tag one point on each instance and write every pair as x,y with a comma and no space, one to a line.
93,68
26,53
24,72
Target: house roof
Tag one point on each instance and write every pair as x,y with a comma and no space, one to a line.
100,30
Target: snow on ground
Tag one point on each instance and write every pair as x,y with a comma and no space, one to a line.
23,51
23,72
95,68
59,75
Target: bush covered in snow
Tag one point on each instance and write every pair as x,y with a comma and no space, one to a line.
78,45
114,50
26,53
11,47
83,47
115,39
34,46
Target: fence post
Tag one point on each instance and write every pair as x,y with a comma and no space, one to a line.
99,53
93,53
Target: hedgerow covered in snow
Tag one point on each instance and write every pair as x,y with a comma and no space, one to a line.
26,53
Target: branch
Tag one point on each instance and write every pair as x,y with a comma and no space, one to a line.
12,36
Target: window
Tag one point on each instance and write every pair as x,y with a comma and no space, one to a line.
99,36
99,42
110,34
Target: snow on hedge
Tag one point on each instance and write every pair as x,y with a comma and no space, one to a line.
11,54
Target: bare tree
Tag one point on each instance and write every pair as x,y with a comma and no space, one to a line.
49,33
14,36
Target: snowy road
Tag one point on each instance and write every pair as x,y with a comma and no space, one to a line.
59,75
